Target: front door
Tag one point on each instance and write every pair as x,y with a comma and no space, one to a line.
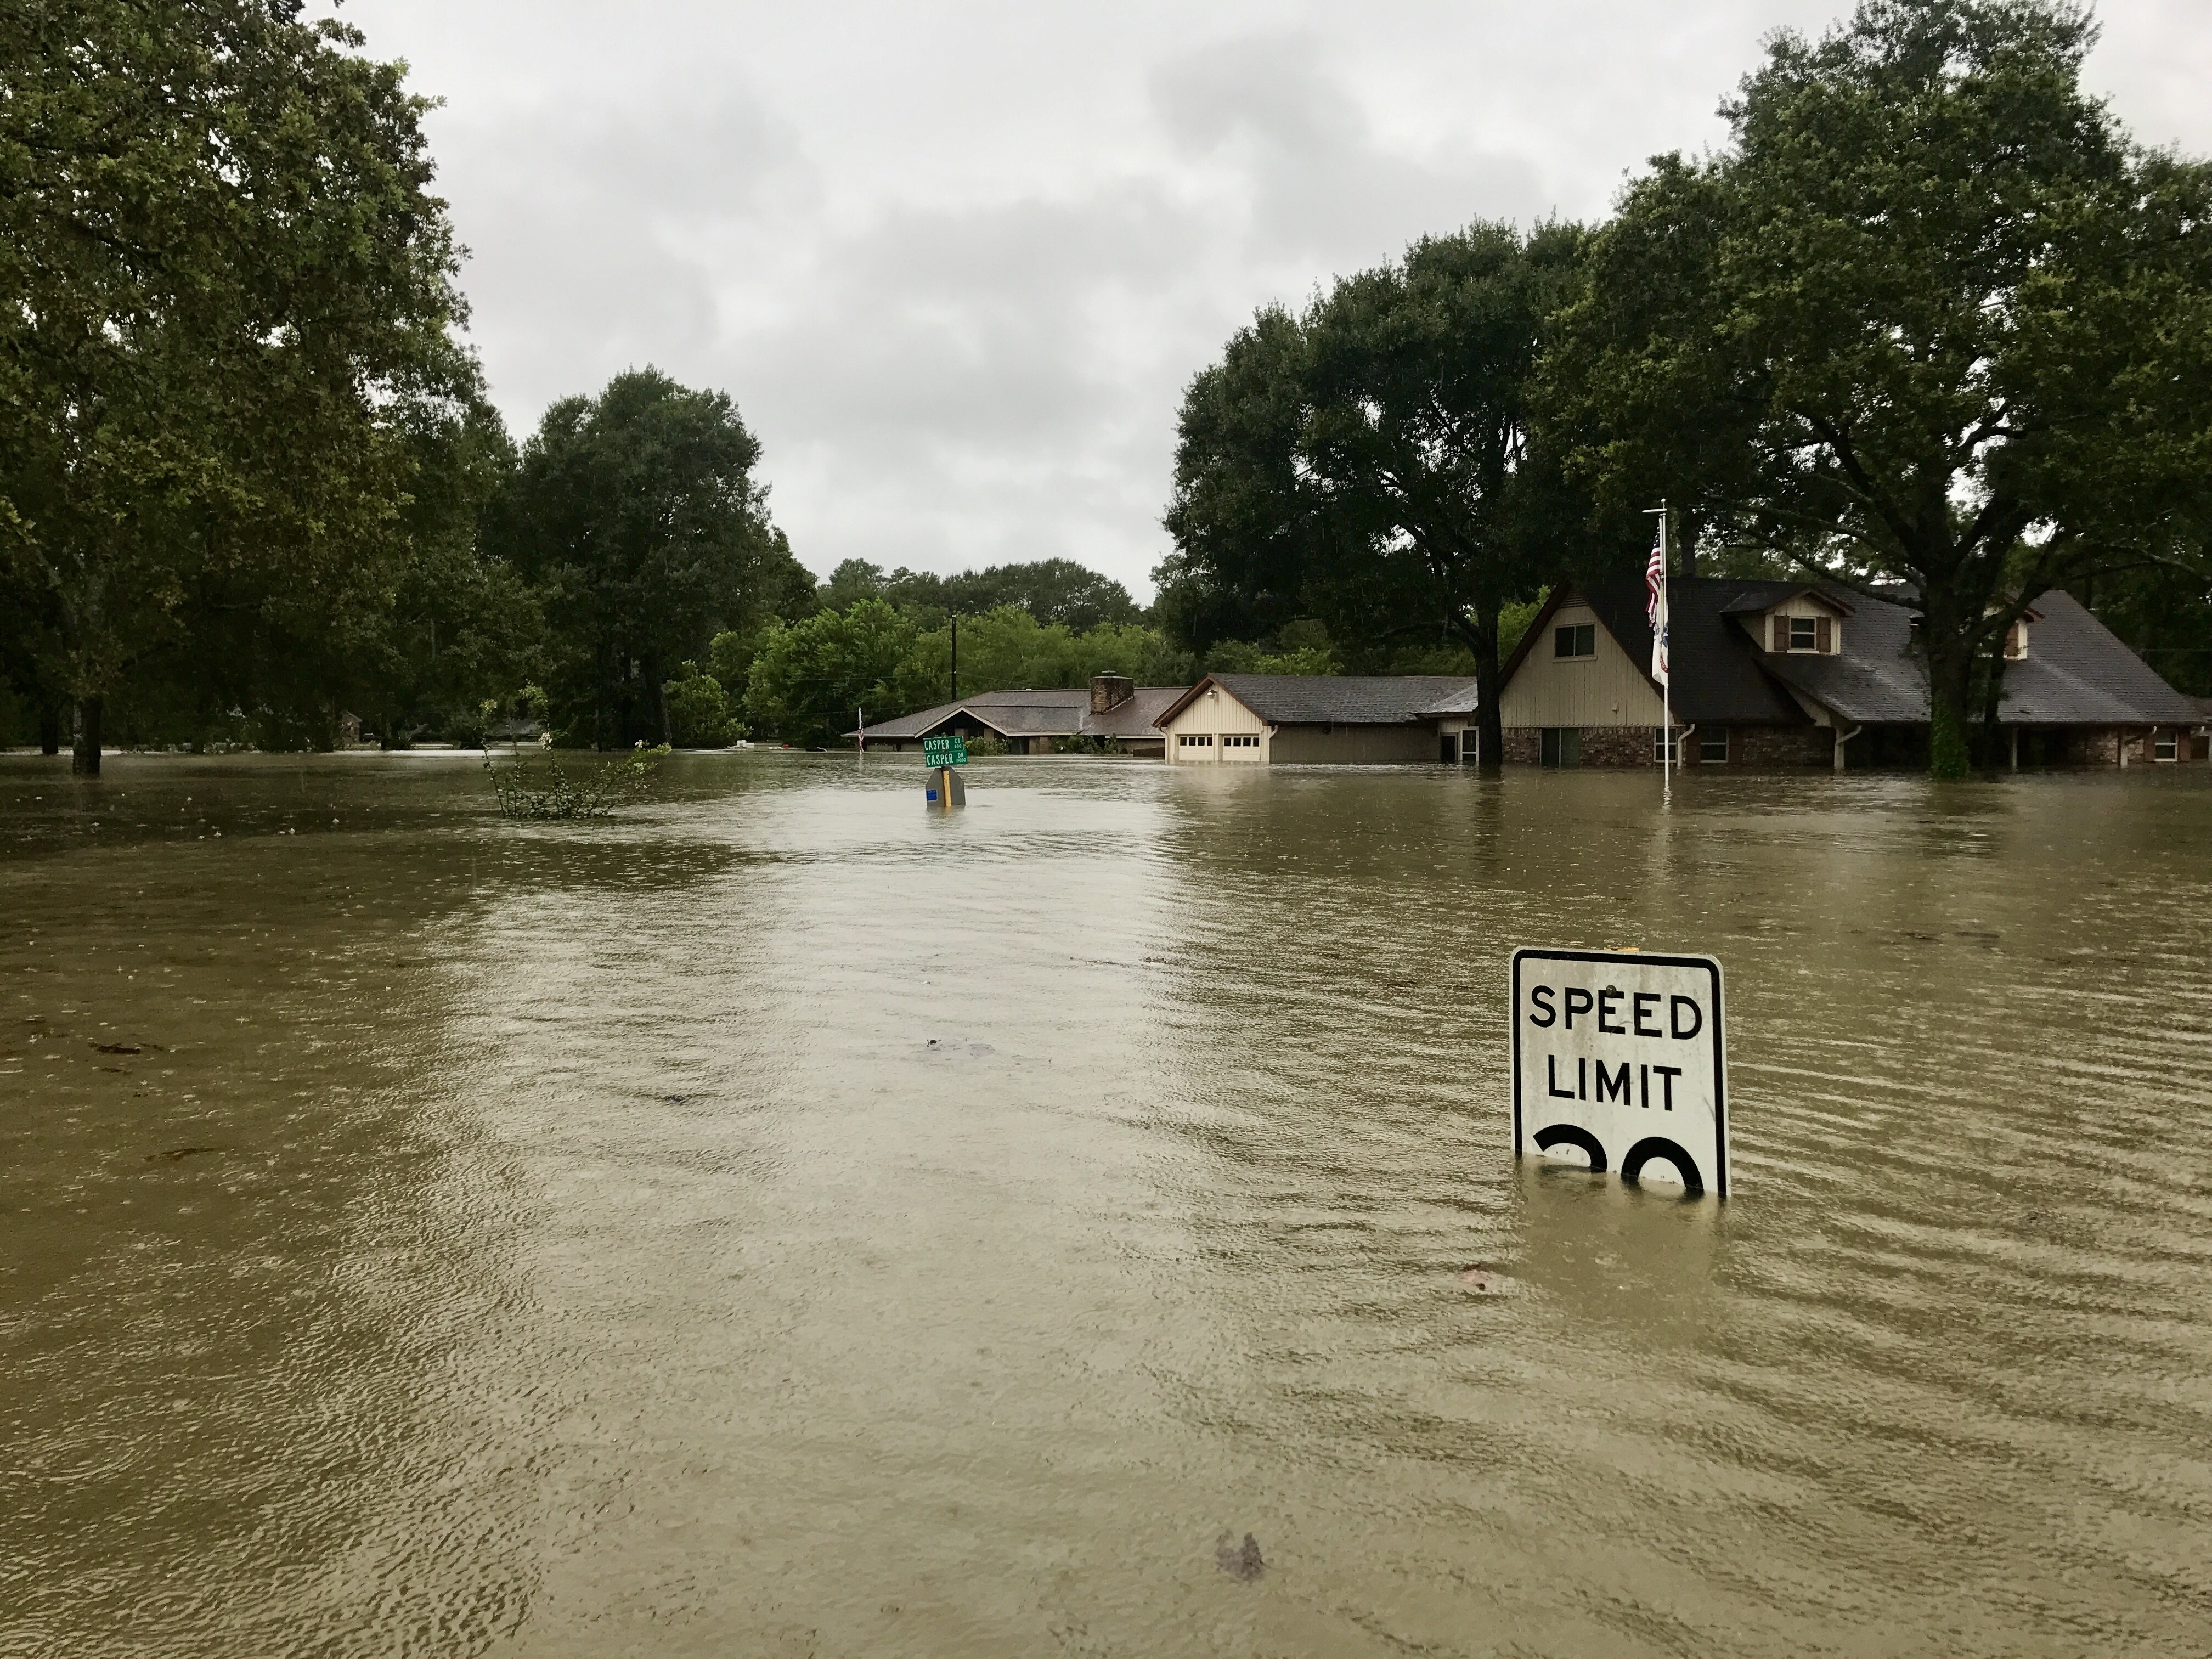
1448,748
1563,745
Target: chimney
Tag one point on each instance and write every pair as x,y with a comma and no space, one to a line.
1109,691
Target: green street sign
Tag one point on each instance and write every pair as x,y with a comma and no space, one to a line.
945,751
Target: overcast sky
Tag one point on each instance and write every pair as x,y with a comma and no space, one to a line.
956,262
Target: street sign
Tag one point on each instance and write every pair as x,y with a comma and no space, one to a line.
945,751
1621,1055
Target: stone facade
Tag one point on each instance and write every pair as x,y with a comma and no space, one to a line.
1774,748
1619,745
1751,748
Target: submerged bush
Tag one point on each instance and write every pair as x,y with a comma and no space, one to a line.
551,793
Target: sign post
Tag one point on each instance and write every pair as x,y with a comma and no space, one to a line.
945,788
1622,1055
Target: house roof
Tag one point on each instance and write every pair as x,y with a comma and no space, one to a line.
1049,712
2076,673
1330,699
1714,674
1465,701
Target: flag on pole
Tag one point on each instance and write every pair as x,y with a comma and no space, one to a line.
1655,603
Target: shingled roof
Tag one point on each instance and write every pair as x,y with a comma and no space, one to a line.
2076,673
1049,712
1331,699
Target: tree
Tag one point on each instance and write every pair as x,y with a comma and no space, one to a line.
1930,317
637,512
810,678
227,282
1375,462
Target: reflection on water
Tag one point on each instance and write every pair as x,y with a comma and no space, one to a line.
784,1222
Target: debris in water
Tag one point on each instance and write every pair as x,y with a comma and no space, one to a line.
1239,1563
1478,1276
176,1152
119,1048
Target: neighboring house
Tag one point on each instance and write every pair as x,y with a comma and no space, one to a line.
1793,673
1034,722
1278,720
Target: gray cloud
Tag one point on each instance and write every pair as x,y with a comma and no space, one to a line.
955,263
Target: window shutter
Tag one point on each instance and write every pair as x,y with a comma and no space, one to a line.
1822,635
1781,632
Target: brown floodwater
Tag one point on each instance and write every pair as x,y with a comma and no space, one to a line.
781,1222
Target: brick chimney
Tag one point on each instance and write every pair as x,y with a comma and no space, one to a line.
1110,691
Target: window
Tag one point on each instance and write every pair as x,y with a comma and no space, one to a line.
1196,739
1804,634
2166,748
1562,746
2016,641
1241,740
1576,640
1712,747
1665,746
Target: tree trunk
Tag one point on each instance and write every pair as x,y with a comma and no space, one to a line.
84,761
49,725
1489,721
1950,705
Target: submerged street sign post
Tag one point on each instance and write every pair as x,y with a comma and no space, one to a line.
1622,1055
942,788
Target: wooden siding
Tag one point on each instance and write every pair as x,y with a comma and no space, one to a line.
1606,689
1214,713
1804,606
1354,745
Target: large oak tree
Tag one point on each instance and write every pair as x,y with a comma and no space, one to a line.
1930,316
1374,461
226,285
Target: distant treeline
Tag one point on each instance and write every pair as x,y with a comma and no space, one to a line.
1931,317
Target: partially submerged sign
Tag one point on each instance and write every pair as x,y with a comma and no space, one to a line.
948,750
1621,1055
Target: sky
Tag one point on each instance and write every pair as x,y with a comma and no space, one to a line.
956,262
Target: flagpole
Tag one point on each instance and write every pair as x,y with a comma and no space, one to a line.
1661,615
1667,610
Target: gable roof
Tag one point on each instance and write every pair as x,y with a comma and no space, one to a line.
1716,679
2076,673
1759,604
1330,699
1048,712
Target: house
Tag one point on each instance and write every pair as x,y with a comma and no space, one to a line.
1275,719
1033,723
1800,674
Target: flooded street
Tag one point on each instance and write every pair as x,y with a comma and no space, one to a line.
779,1222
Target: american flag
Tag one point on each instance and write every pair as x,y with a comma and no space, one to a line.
1655,605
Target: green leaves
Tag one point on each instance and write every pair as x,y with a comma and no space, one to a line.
231,286
1930,317
637,512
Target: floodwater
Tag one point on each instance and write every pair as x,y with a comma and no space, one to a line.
780,1222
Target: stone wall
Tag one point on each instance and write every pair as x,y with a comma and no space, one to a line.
1777,748
1619,745
1524,745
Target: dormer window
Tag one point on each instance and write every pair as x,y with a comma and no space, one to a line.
2016,641
1815,634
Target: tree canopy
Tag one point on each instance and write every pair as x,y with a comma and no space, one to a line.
637,512
231,302
1375,463
1930,316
